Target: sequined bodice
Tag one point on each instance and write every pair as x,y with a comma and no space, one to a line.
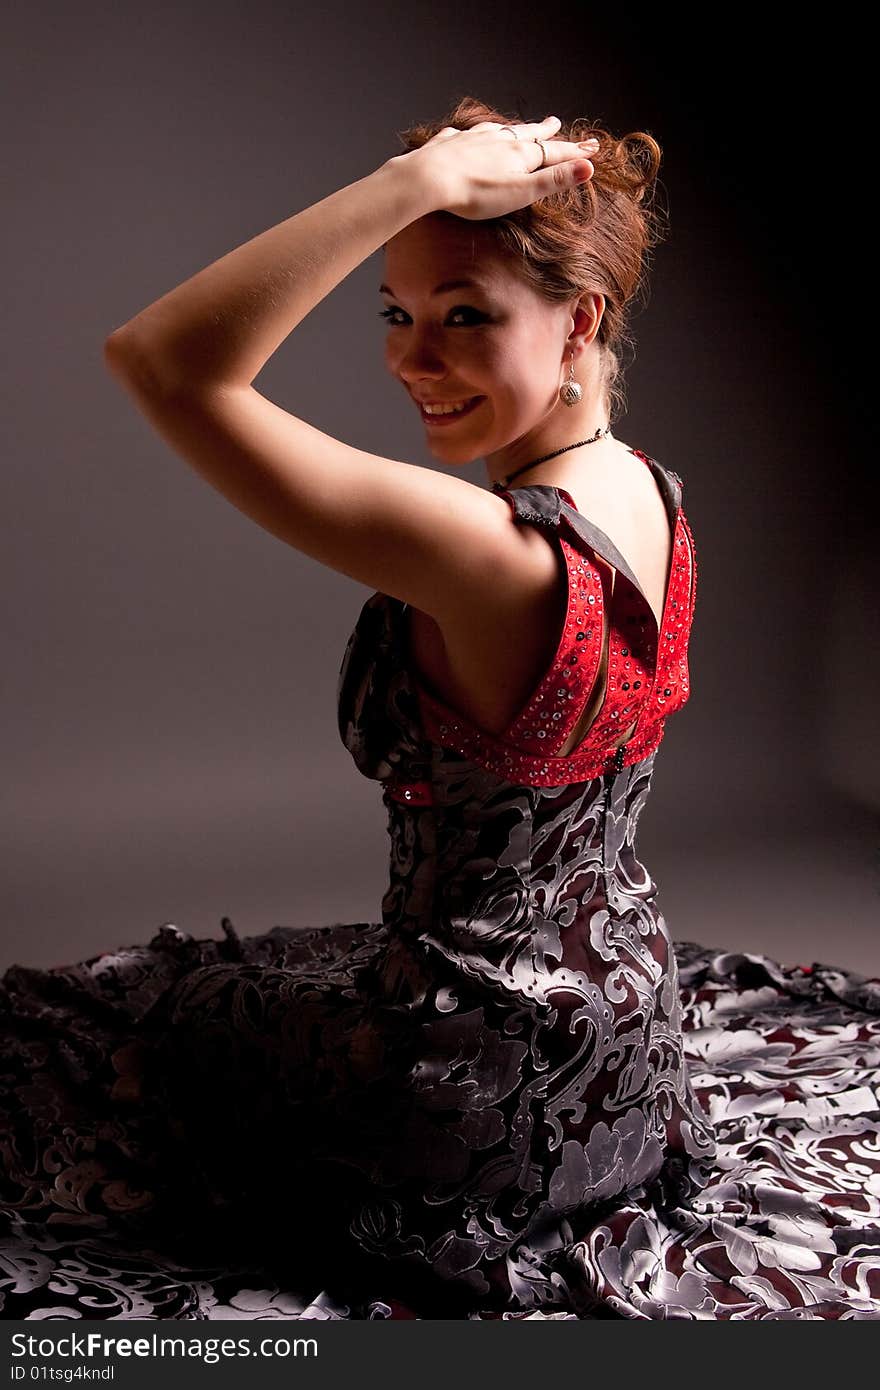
390,721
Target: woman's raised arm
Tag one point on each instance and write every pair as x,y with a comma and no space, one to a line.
437,542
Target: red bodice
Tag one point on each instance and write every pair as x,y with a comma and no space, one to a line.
647,673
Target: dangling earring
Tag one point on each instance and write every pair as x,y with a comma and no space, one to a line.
569,392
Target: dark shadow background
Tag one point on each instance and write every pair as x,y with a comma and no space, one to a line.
170,745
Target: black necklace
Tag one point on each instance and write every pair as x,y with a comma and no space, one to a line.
503,483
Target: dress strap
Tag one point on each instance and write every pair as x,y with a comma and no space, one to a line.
553,506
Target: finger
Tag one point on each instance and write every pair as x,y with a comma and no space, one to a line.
535,125
548,123
565,172
520,128
559,150
526,127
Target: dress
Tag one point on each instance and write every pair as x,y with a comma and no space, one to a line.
513,1095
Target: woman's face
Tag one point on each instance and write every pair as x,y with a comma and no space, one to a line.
494,339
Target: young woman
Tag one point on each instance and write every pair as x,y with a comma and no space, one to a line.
482,1101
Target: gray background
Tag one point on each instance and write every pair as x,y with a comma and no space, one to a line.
170,748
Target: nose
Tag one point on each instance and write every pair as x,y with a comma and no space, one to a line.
418,361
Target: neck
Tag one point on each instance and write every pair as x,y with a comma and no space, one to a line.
561,427
532,470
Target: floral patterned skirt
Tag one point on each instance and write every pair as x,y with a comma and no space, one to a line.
107,1209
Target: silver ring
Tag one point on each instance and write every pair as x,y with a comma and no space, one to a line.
511,129
543,153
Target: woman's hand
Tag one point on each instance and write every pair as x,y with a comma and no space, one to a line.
484,172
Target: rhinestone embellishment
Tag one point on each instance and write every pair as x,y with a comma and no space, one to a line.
646,677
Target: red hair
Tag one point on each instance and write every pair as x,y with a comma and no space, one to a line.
595,236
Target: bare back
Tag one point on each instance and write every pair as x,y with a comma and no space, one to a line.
487,667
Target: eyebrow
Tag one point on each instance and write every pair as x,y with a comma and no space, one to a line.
441,288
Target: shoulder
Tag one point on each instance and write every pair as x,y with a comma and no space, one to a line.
495,647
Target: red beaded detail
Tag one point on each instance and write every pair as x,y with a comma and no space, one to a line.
647,680
409,793
552,710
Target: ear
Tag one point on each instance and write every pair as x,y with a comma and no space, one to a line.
586,316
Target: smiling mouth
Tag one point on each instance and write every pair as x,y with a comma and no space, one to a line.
447,417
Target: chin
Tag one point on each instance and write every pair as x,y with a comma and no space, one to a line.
452,449
457,458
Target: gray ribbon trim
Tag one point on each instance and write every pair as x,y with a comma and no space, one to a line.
543,503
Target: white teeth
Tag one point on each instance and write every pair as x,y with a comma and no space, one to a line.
444,409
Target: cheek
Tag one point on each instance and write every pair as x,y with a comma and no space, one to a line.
514,383
391,355
500,367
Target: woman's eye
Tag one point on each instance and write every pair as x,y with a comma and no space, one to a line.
472,314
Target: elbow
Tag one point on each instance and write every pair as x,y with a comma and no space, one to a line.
118,352
125,361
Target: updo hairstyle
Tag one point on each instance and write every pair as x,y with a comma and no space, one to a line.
595,236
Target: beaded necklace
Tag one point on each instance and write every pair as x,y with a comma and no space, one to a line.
503,483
